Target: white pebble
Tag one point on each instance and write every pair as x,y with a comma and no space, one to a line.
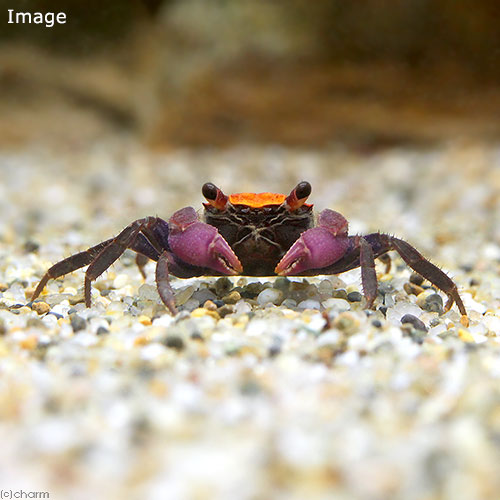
270,295
338,305
148,292
394,314
120,281
309,304
329,338
242,307
182,295
472,305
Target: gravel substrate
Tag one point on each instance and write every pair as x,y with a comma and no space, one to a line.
259,388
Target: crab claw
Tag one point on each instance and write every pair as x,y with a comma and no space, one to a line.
200,244
316,248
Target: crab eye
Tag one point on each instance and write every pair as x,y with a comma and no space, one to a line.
214,196
302,190
299,195
209,191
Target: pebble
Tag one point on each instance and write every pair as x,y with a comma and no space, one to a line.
120,281
242,307
339,293
385,288
282,283
199,312
395,313
225,310
211,306
270,295
354,297
309,304
347,322
252,290
77,322
147,292
416,279
144,320
325,287
222,286
40,307
413,320
102,331
29,343
336,305
289,303
433,303
182,295
412,289
174,342
232,297
203,295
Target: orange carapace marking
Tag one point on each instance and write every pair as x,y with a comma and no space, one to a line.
257,200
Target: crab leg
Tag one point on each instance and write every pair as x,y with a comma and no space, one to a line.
368,274
69,265
137,242
429,271
357,255
163,283
109,254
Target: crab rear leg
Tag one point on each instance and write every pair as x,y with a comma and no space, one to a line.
429,271
104,254
383,243
106,257
368,274
69,265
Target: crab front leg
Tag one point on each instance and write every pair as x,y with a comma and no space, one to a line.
318,247
194,248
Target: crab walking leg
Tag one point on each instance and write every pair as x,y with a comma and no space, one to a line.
69,265
163,283
386,259
108,255
368,274
429,271
383,243
141,261
145,250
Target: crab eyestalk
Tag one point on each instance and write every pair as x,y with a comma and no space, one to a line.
298,196
214,195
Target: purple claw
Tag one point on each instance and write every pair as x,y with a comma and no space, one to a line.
200,244
316,248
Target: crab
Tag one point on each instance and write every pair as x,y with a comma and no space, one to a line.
252,234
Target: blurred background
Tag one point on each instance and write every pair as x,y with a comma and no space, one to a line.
216,73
